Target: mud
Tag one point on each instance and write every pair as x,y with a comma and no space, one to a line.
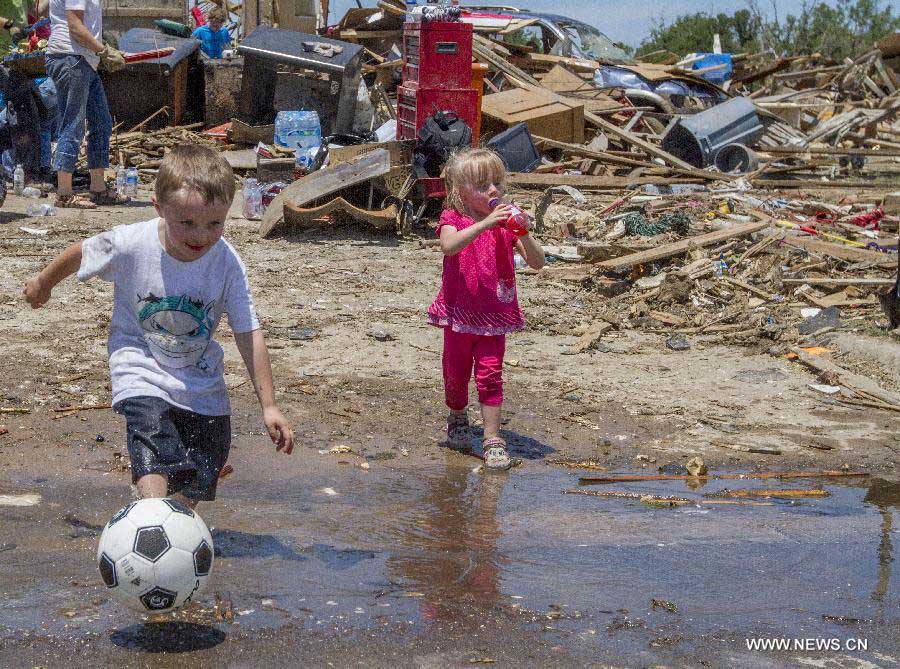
419,560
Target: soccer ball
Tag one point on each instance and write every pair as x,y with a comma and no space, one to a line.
155,555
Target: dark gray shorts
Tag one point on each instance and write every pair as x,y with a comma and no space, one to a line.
187,447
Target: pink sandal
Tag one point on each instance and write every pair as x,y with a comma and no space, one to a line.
495,455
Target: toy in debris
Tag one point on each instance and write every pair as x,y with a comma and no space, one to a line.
155,555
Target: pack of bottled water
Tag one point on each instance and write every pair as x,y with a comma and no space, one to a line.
301,131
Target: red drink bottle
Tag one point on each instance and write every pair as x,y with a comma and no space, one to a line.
517,223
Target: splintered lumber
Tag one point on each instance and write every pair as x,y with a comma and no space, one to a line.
652,149
855,382
585,152
532,180
657,500
625,478
841,281
842,252
681,246
764,492
325,181
653,500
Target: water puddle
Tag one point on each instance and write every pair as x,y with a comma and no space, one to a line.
446,546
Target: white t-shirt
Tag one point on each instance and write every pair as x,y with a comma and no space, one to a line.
165,312
61,42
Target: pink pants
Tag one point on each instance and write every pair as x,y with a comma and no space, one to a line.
460,352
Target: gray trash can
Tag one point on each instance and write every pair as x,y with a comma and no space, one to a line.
697,139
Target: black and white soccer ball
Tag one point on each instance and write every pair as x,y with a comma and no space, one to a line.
155,555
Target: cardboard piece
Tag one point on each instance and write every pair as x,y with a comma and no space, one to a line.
545,114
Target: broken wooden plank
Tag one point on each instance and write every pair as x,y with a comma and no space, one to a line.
681,246
591,337
588,181
324,182
620,478
847,378
841,252
764,492
840,281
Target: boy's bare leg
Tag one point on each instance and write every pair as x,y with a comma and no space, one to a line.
491,417
157,485
153,485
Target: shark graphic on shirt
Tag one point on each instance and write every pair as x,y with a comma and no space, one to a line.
176,328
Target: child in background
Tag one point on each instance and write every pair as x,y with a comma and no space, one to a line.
213,36
173,277
477,303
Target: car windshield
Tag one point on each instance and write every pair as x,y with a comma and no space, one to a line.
591,42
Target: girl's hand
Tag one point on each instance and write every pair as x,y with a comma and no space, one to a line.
279,431
36,293
497,217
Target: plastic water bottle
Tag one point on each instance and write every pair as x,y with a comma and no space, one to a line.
517,222
18,180
283,122
131,181
305,138
253,207
120,180
721,266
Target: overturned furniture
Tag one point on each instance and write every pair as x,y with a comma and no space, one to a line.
279,75
141,88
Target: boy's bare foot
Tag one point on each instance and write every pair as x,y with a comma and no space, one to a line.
226,471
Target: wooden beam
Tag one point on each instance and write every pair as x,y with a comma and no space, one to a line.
846,378
838,281
532,180
681,246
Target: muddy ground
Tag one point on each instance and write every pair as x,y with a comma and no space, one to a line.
418,560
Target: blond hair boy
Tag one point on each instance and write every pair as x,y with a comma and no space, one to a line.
174,277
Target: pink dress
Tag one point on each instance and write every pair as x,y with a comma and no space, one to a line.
478,287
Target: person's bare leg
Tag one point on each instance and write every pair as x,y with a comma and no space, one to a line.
187,501
98,183
156,486
153,485
491,417
63,183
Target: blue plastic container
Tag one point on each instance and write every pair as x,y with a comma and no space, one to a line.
719,76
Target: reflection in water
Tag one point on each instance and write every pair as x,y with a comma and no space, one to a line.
454,561
884,495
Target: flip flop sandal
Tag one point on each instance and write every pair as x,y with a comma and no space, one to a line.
73,201
458,435
109,197
495,455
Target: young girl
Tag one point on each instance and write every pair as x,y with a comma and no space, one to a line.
477,303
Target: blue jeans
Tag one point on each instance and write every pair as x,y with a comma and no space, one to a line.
48,129
80,97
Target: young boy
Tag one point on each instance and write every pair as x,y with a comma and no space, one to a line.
213,36
174,276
